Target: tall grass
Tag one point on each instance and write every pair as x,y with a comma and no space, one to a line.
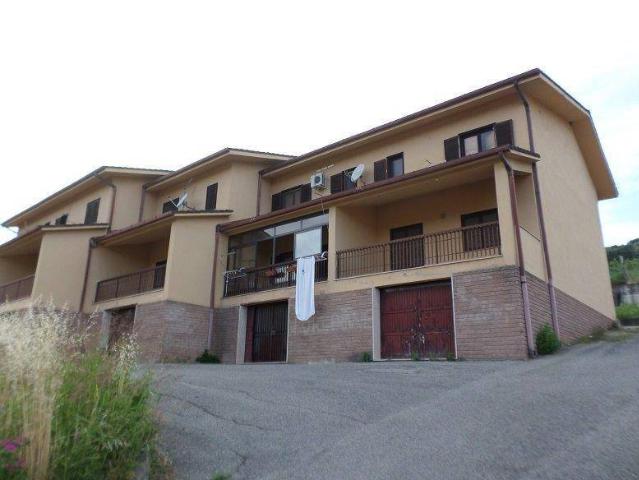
74,412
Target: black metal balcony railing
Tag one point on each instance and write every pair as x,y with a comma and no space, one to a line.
280,275
464,243
131,284
17,289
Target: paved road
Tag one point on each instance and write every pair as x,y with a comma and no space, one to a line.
571,416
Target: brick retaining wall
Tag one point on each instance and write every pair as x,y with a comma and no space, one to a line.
489,319
224,341
171,331
340,330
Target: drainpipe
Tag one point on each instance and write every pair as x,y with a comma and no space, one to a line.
213,276
115,190
540,214
86,274
259,193
142,198
520,257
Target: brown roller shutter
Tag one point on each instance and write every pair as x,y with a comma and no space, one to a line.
451,148
504,133
337,182
306,192
276,202
379,170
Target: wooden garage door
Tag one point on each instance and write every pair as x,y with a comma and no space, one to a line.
266,328
417,318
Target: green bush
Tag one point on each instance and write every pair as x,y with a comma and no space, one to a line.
74,413
102,422
547,341
366,357
627,311
207,357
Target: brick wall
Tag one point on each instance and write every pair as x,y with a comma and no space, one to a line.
489,320
576,319
539,302
149,328
340,330
224,342
171,331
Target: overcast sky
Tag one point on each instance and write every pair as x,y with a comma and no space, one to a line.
162,84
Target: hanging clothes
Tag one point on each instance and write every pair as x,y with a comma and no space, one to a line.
305,288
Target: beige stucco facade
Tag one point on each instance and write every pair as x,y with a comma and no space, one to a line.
137,255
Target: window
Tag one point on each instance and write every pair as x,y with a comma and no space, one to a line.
91,215
478,218
389,167
62,220
342,181
170,206
211,197
484,236
279,243
308,242
409,252
479,140
291,197
159,274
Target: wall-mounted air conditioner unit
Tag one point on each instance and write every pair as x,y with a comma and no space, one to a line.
317,180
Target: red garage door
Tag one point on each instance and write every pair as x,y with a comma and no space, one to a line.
417,318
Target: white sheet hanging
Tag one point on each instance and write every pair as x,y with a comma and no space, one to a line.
305,288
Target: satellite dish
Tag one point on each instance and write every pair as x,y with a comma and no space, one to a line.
357,173
182,200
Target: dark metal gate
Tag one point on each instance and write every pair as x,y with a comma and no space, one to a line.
266,328
417,320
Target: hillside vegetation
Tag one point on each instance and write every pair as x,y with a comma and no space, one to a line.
628,270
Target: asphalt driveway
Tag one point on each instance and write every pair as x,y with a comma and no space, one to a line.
572,415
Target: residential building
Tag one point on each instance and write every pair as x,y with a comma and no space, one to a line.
467,226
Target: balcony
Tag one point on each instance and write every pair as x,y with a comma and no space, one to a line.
17,289
131,284
466,243
280,275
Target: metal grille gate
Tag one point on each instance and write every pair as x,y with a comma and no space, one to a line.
266,332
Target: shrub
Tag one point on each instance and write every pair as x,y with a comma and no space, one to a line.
414,356
207,357
81,415
365,357
627,311
547,341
